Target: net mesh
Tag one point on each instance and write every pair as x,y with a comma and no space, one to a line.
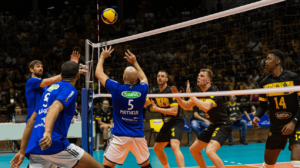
233,47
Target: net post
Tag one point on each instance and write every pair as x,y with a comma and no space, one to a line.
87,120
87,52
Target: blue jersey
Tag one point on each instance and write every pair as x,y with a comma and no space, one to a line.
128,103
33,94
66,94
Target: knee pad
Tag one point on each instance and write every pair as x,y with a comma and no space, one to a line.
106,166
268,166
148,166
295,164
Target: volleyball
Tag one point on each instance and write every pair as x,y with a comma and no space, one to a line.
109,16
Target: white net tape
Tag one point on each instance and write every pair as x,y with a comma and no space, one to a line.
221,93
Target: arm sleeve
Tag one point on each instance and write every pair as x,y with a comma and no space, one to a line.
262,108
173,102
213,99
33,83
145,88
263,103
67,97
111,85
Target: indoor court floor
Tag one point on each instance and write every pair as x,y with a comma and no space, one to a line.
236,156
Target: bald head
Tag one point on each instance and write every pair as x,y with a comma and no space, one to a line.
130,75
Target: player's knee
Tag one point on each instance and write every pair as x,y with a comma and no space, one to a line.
193,150
210,152
175,147
295,164
157,149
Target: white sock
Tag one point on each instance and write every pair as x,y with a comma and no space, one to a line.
166,166
295,164
268,166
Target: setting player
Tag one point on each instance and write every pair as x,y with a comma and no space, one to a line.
45,135
284,111
35,86
220,128
128,101
173,128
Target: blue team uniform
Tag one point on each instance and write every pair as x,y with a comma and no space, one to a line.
33,94
65,93
128,103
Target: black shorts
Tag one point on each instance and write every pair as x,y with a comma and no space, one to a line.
172,130
278,141
219,133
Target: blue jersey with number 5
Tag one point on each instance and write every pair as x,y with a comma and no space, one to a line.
128,103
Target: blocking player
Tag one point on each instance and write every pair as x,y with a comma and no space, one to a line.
220,128
36,86
45,136
128,100
284,111
173,127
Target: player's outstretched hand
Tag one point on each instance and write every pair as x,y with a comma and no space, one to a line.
174,89
75,56
46,141
254,122
17,160
288,129
188,87
106,52
130,57
155,108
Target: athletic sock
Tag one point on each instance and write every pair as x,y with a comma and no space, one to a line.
295,164
104,141
265,165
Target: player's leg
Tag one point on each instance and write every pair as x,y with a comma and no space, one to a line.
195,126
275,143
294,142
175,144
162,140
88,161
159,151
139,149
195,150
218,138
36,161
211,151
116,151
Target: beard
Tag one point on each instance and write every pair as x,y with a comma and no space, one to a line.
38,74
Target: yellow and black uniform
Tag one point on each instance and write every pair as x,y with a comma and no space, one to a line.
173,127
104,116
220,126
283,109
234,109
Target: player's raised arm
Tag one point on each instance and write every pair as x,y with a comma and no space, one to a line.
186,105
49,81
102,77
19,157
132,59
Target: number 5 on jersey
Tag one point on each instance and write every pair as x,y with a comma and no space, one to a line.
129,104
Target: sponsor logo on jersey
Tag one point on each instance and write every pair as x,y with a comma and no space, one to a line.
282,115
53,87
131,94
